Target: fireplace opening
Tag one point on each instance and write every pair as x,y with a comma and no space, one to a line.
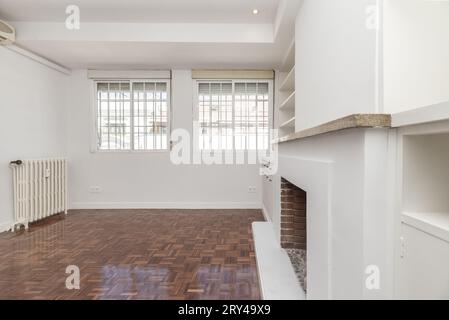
293,228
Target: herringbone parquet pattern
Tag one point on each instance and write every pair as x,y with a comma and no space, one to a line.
134,254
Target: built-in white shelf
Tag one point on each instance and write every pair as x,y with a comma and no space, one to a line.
425,191
289,83
432,113
285,110
289,103
433,223
290,123
289,59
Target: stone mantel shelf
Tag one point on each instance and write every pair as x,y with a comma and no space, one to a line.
349,122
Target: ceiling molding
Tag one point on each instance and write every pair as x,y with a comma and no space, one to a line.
38,58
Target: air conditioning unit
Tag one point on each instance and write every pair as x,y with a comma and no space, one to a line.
7,33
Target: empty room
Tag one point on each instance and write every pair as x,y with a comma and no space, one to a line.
251,150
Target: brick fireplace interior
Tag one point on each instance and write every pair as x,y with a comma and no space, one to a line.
293,227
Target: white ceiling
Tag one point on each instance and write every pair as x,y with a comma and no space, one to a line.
156,33
134,55
223,11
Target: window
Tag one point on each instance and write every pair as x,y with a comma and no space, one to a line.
132,115
233,115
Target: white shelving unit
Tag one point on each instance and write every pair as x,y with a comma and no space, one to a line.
423,231
290,123
289,60
425,177
288,85
286,91
289,103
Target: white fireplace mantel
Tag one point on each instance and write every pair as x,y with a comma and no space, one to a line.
347,176
314,177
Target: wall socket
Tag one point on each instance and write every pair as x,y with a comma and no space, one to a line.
251,189
94,189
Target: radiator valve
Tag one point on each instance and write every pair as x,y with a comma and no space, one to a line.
16,162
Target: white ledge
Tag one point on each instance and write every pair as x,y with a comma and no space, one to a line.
277,277
432,113
434,223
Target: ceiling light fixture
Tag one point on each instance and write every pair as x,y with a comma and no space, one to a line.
255,11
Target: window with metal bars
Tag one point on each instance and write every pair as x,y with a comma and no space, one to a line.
233,115
132,115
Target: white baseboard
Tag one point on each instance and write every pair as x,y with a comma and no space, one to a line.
166,205
5,226
265,213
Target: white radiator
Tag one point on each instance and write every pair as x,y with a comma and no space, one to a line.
40,189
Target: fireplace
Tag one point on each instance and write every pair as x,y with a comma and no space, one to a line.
293,227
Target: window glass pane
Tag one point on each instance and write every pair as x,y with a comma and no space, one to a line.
215,115
238,120
113,116
132,115
150,115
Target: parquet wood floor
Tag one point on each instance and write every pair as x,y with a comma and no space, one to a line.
133,254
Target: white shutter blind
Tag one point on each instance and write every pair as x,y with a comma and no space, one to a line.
128,74
232,74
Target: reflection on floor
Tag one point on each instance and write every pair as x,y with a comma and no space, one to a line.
134,254
298,258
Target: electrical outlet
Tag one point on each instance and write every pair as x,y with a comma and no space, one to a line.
94,189
251,189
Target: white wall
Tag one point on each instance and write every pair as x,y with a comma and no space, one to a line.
32,109
146,180
336,61
416,51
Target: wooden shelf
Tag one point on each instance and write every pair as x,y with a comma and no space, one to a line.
349,122
288,124
433,223
289,83
289,103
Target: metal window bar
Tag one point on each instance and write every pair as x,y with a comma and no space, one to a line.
215,115
132,115
248,112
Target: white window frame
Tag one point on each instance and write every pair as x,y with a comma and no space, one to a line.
94,94
195,108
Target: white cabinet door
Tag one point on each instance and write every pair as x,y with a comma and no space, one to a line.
423,271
